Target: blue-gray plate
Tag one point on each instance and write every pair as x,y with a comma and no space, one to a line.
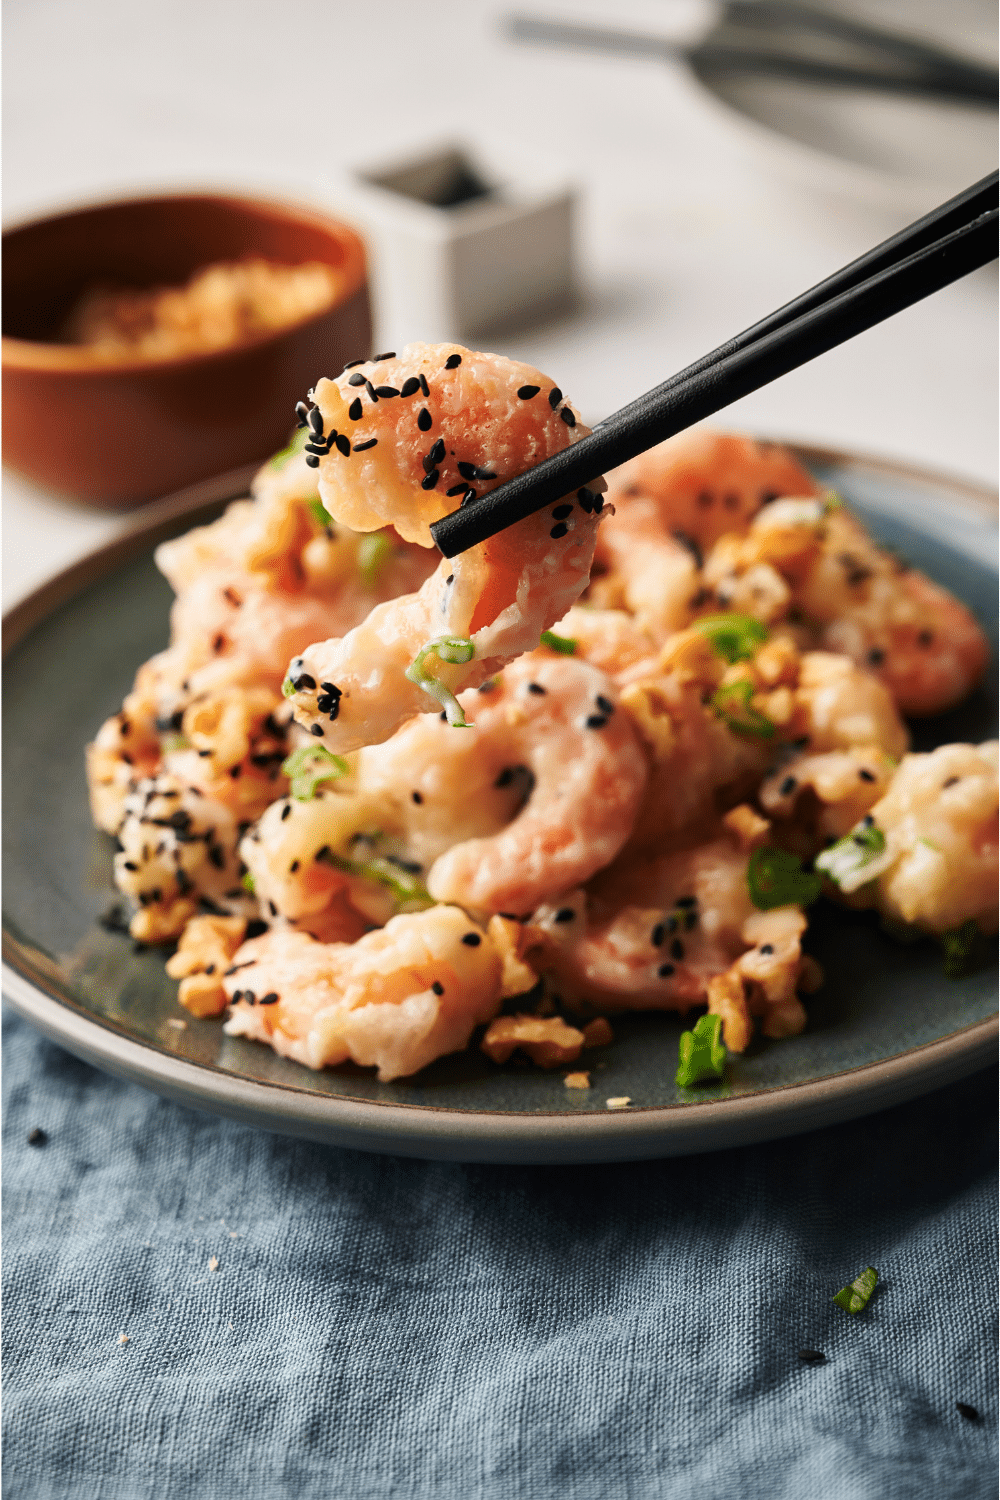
887,1025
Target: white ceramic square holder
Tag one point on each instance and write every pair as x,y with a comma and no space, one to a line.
462,245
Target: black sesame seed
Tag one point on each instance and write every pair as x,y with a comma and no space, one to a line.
417,797
665,971
537,689
952,780
302,412
423,383
355,409
437,988
443,717
565,914
555,396
386,391
377,358
371,390
286,811
677,949
312,461
767,948
568,417
351,363
456,489
315,420
505,778
356,380
598,504
344,445
876,657
236,771
38,1137
658,934
475,471
255,928
424,420
472,940
866,775
319,448
558,531
453,361
690,920
586,499
788,785
604,704
812,1356
450,579
527,391
430,480
303,682
410,387
271,999
925,638
130,865
363,447
561,512
595,721
468,497
316,729
970,1413
437,452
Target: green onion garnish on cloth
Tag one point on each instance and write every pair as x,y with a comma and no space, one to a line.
776,878
854,1298
457,649
702,1056
733,637
308,766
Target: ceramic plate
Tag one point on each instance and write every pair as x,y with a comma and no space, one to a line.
886,1025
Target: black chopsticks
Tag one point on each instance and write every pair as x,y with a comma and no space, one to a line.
945,245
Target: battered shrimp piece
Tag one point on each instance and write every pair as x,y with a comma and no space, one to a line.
672,932
559,719
177,847
396,999
706,483
412,453
230,747
815,561
815,798
926,854
126,750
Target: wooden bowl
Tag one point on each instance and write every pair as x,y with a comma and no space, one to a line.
114,434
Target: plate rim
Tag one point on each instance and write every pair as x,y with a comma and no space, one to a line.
442,1131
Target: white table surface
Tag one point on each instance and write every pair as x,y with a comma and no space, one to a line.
692,224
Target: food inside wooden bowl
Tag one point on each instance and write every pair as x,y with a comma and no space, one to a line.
151,343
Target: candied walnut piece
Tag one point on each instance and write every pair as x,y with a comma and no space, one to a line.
726,998
511,940
597,1033
548,1041
162,921
748,827
203,955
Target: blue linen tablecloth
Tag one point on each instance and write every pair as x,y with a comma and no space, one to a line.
384,1327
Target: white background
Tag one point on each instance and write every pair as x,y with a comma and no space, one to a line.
692,224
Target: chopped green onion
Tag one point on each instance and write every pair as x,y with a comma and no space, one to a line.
958,946
733,637
249,884
732,705
406,886
308,766
702,1056
174,742
287,690
776,878
561,643
856,858
296,445
456,649
373,554
831,501
854,1298
320,512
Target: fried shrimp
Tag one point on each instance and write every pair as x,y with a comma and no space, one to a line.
676,931
814,562
404,442
926,853
396,999
671,505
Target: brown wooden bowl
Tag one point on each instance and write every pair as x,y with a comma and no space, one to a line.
114,434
